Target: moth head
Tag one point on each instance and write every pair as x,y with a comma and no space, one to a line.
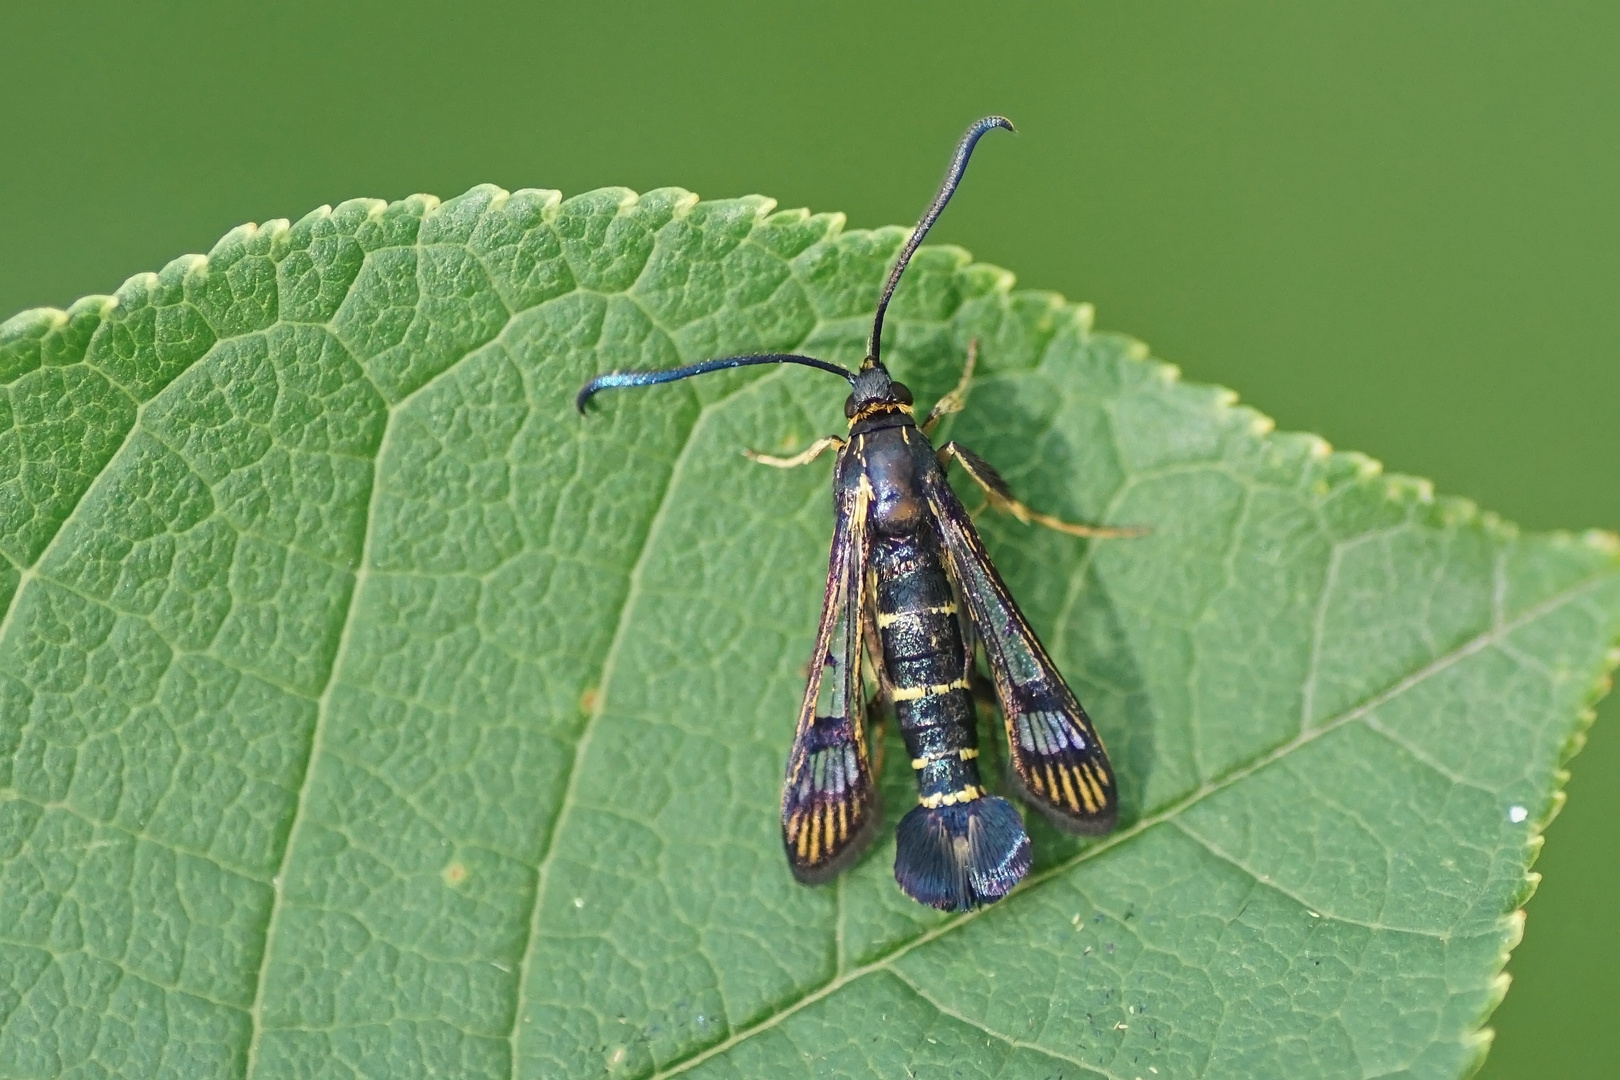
874,393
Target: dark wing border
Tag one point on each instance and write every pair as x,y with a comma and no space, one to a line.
829,802
1058,763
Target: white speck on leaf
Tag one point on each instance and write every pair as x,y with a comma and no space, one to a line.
1517,814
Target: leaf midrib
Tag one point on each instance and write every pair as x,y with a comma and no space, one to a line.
1169,814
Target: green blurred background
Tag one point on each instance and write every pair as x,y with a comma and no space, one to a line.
1393,224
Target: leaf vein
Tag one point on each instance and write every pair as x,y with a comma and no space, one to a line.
135,834
979,1025
1423,756
1282,890
122,968
29,572
1307,694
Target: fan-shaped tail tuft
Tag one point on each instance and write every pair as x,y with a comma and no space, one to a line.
956,858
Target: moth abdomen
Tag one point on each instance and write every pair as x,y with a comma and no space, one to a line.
960,847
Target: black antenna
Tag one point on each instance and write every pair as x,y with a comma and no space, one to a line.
648,378
953,177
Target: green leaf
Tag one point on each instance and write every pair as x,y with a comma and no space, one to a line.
366,712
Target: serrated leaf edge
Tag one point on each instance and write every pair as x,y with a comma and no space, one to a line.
1399,489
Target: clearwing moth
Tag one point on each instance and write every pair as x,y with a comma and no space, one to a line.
909,578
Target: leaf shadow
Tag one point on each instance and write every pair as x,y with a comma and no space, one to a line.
1063,465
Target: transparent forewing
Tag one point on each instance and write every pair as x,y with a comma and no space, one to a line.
1056,757
828,807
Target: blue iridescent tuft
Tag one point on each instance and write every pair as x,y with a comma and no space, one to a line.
957,858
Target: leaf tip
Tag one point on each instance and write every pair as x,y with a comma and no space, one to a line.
680,201
793,215
1478,1042
1454,512
1601,540
1572,745
1604,684
422,204
1401,488
1495,991
1365,468
1497,526
548,199
246,231
1555,803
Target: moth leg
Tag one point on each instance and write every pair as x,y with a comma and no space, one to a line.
880,704
982,689
877,727
1000,496
987,712
804,457
956,400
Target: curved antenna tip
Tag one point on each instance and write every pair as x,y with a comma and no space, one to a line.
651,378
953,177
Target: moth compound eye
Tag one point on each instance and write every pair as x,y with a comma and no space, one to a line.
849,407
901,392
